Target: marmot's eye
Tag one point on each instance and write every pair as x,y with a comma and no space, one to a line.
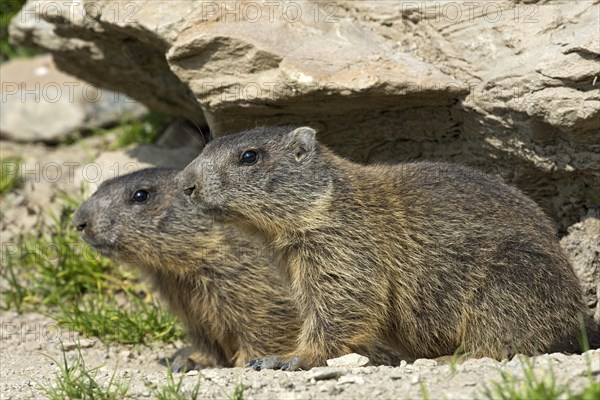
140,196
249,157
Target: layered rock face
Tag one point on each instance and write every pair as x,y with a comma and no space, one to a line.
507,86
582,245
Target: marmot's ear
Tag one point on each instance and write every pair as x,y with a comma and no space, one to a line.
303,142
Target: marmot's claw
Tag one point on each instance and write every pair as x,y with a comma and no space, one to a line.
275,362
293,364
177,368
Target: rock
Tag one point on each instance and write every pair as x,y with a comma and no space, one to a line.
351,379
415,378
70,345
352,360
397,374
210,374
183,133
517,360
582,245
510,87
117,59
558,357
424,362
323,373
42,104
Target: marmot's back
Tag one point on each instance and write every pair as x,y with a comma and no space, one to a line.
490,265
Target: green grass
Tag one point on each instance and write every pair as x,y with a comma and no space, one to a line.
238,392
424,391
77,381
591,392
53,269
172,389
9,176
542,386
129,130
59,275
137,323
8,9
144,130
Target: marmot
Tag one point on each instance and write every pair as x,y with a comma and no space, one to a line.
219,287
222,287
432,258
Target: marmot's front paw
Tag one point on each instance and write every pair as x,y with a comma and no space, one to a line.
290,363
188,359
185,364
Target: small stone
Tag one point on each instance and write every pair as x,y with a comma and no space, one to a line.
323,388
424,362
403,363
210,374
351,379
257,385
558,357
517,360
126,354
67,346
323,373
415,379
352,360
397,375
367,370
192,373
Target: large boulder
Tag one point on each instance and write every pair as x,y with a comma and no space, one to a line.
507,86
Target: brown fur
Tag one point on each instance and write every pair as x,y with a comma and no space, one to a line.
431,258
221,286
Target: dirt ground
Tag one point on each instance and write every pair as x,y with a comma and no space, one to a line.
30,341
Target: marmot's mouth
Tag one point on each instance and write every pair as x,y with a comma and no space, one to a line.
104,248
212,210
116,253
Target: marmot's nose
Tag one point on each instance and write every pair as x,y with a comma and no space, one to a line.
189,190
80,218
81,226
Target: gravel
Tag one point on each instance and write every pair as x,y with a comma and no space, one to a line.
29,340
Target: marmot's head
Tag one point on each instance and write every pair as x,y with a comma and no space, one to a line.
267,177
142,219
